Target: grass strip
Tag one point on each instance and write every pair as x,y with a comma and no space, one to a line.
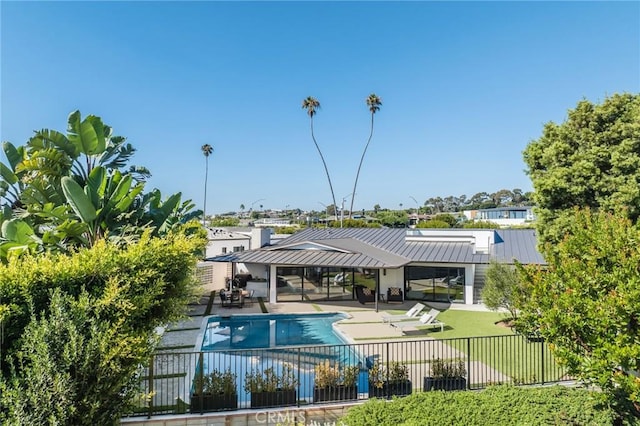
182,329
212,297
165,376
263,307
169,348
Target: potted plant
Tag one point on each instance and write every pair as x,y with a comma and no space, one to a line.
446,375
214,392
333,383
270,388
395,381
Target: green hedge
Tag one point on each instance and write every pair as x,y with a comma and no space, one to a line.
497,405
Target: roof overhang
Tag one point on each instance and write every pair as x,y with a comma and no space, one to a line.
342,253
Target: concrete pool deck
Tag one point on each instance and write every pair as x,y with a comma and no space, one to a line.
364,324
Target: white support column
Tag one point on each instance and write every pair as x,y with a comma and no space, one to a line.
469,275
273,284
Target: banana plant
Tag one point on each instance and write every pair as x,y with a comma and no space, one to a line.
100,204
66,189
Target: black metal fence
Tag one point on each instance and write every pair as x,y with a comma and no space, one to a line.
295,376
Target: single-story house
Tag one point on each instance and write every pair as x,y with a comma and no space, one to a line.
441,265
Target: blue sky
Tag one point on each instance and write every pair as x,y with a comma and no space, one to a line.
465,87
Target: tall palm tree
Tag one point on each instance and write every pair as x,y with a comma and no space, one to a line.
373,102
311,104
207,150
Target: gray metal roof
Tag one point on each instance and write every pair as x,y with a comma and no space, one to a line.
520,245
383,248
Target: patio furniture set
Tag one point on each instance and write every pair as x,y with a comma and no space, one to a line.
235,298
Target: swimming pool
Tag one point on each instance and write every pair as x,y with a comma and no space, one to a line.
271,331
248,343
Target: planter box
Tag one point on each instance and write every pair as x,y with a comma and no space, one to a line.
208,402
448,384
390,389
335,393
279,398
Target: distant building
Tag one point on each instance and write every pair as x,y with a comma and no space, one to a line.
503,216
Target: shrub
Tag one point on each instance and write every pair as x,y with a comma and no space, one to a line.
270,380
443,369
497,405
328,375
378,374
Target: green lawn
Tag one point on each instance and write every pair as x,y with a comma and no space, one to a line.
517,358
459,323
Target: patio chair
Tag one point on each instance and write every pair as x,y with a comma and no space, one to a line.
224,300
394,294
365,294
411,313
425,320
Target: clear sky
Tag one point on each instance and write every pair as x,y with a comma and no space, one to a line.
465,86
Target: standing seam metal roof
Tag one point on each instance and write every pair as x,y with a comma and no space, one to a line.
385,248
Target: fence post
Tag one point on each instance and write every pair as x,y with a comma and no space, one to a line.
299,383
542,343
387,378
201,380
468,363
150,386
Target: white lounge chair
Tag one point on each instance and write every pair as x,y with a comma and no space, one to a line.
411,313
427,319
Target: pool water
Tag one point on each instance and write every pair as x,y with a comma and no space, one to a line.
270,331
246,343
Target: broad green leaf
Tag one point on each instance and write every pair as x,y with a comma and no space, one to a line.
126,201
88,138
99,129
17,230
14,156
7,174
95,184
12,249
80,203
121,190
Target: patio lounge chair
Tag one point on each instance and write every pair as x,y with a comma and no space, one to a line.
427,319
411,313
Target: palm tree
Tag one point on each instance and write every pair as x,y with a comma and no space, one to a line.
373,102
311,104
207,150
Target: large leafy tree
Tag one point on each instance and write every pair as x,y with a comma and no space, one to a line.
586,303
374,103
312,105
590,160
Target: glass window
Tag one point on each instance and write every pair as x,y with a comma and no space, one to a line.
436,284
